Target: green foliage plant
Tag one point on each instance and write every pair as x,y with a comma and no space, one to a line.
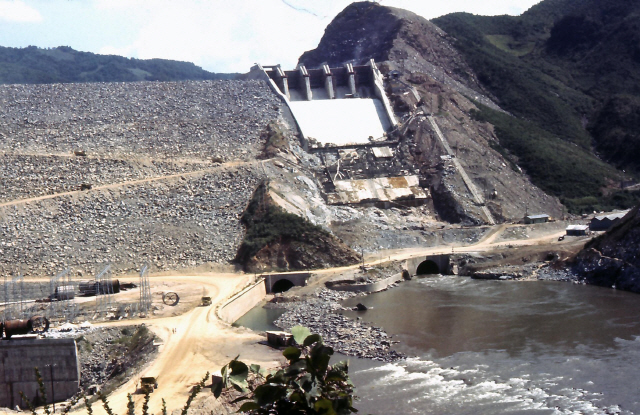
307,385
130,404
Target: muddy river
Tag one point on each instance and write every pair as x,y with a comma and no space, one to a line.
484,347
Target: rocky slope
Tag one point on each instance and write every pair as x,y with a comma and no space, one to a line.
423,57
571,71
612,259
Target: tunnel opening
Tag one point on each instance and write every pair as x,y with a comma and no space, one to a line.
281,286
428,267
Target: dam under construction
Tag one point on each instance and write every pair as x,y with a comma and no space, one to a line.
344,115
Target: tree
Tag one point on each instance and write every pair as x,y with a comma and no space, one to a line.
307,385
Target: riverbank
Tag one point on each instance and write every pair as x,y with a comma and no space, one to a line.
321,312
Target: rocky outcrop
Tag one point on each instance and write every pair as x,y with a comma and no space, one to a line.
278,240
612,259
314,250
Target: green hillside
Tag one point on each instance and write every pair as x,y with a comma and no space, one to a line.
570,73
32,65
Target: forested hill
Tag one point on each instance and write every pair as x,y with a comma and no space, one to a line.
570,67
32,65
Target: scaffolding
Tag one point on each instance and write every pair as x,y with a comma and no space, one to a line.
145,290
14,302
104,290
62,295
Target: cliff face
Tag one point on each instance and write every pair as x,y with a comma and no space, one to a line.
423,57
613,258
278,240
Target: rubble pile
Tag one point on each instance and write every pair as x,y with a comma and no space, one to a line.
169,225
25,176
319,313
168,119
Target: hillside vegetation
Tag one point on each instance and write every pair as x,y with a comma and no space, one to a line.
570,73
32,65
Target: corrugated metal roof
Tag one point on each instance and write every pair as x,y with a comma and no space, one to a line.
541,216
612,216
577,227
382,152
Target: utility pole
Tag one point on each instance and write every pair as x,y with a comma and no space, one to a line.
53,392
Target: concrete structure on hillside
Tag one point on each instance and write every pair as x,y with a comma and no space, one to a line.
334,107
605,222
57,360
382,192
345,117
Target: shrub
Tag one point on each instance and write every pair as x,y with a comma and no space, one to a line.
307,385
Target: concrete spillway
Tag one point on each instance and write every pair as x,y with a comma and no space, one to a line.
341,121
339,107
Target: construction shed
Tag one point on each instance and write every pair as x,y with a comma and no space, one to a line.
605,222
542,218
577,230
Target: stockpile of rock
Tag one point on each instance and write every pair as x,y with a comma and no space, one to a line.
106,352
168,119
169,224
25,176
319,313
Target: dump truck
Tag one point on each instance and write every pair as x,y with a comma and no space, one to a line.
148,384
206,301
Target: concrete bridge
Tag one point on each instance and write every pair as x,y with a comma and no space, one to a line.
277,283
430,264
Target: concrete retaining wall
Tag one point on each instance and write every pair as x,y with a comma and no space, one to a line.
242,302
369,288
19,357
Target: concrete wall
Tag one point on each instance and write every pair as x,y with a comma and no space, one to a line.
299,279
242,302
369,288
19,357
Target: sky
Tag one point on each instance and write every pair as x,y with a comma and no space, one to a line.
217,35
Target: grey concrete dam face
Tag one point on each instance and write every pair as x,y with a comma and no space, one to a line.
57,360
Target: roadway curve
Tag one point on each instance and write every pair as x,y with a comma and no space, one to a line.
201,343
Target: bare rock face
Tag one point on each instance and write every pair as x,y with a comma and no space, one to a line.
316,252
278,240
612,259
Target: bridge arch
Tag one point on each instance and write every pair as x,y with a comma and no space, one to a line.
282,285
281,282
428,267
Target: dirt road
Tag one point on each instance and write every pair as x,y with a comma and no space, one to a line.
200,343
125,183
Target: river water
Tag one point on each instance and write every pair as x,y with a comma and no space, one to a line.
489,347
